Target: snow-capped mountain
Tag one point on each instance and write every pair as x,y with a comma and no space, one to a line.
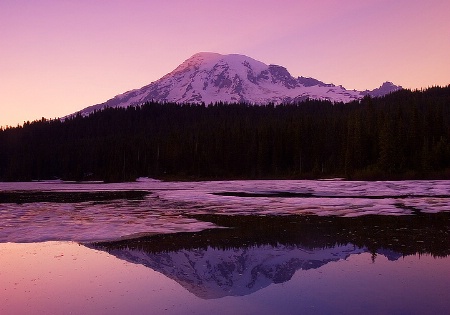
211,77
213,273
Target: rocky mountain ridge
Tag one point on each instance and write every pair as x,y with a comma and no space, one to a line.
212,77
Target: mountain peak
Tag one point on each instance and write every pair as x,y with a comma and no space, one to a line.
196,60
208,77
386,88
202,57
205,55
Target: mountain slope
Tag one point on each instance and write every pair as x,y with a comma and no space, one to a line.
211,77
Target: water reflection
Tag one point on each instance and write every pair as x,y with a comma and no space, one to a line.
212,273
254,252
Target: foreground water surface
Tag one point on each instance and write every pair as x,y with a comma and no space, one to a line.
243,247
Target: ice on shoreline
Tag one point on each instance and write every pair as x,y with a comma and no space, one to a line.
165,209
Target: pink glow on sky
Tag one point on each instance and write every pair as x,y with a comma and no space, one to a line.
57,57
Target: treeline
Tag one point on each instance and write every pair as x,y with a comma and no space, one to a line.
424,233
403,135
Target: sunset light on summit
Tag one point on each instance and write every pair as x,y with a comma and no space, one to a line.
58,57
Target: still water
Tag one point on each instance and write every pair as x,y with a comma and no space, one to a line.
242,247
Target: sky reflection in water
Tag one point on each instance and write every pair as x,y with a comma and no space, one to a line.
59,278
397,262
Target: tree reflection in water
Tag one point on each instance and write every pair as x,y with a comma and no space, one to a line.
251,252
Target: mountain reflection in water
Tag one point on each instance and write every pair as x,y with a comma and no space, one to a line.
253,252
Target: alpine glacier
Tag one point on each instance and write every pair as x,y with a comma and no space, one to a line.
211,77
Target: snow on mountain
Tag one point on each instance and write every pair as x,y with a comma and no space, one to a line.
213,273
212,77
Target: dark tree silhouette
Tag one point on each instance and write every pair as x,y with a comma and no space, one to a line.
401,135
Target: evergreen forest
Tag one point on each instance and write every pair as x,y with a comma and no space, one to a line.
403,135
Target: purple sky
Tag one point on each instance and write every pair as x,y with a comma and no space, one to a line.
59,56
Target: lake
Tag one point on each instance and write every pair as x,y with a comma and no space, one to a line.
242,247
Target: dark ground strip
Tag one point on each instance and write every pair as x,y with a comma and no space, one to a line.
69,197
287,194
407,235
